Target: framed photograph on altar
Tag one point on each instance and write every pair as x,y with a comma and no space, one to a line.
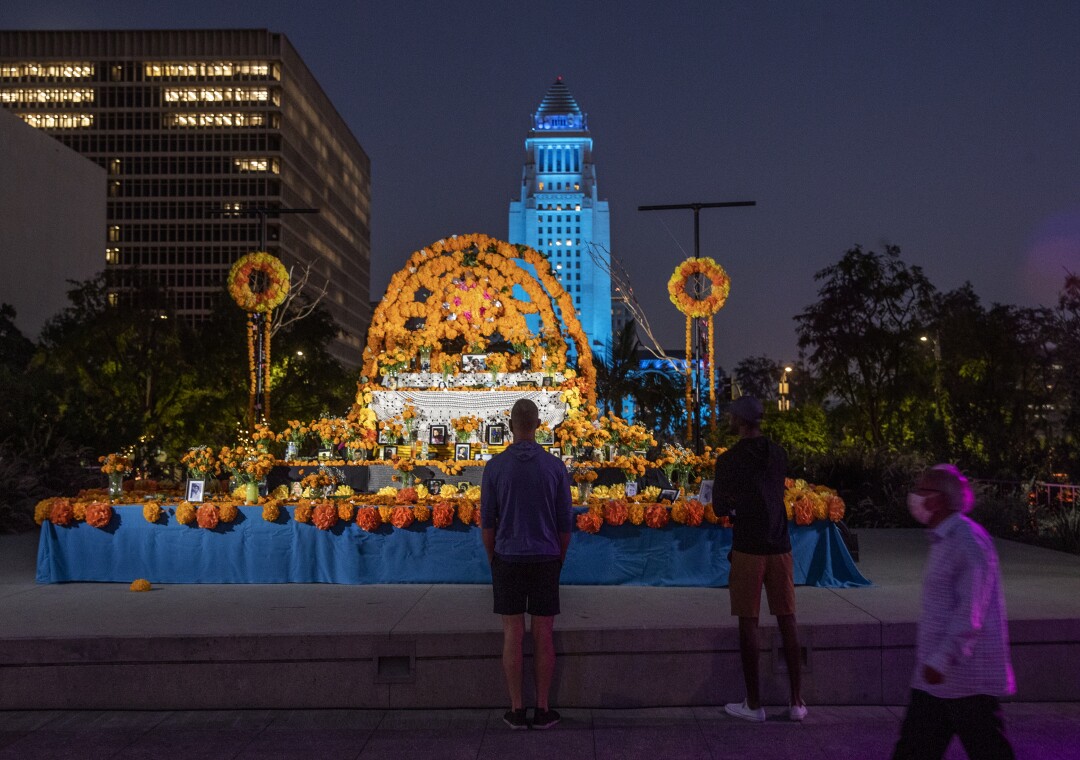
385,437
434,485
195,489
389,452
474,362
670,494
527,384
638,454
631,488
496,435
705,494
437,435
548,381
461,451
555,451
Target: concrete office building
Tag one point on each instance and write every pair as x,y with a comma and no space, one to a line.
198,131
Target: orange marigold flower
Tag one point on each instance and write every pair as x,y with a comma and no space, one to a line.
385,513
656,515
421,513
98,514
589,522
185,513
368,519
302,513
325,515
207,516
636,513
616,512
407,496
346,511
151,512
78,511
228,513
140,584
804,510
442,515
62,512
402,517
271,511
695,512
835,507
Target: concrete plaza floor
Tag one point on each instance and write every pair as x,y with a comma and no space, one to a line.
1047,731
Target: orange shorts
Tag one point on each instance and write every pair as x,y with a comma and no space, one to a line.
749,572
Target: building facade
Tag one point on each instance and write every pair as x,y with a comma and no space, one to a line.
205,136
560,213
52,213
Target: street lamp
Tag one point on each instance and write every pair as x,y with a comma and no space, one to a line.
784,402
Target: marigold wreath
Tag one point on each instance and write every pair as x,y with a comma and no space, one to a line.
699,307
267,298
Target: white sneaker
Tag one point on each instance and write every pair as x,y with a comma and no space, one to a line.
796,712
740,710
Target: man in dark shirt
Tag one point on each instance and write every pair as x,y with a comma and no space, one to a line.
749,485
526,517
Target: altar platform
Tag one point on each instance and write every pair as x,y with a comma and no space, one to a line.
232,646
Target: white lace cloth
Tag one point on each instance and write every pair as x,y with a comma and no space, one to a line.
439,407
466,379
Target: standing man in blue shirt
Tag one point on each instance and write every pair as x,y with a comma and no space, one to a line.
526,517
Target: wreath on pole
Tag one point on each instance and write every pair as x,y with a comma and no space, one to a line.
259,283
697,305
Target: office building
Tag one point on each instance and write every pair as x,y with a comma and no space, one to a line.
204,136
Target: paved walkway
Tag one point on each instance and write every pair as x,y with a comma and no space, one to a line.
1049,731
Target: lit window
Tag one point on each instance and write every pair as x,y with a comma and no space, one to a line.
216,119
577,207
58,120
178,69
577,185
114,233
114,299
64,70
257,165
541,186
40,95
112,255
216,94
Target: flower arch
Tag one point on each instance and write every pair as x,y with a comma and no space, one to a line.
462,288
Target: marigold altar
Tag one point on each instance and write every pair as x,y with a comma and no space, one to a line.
466,328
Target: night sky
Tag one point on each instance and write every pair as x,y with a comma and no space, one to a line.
951,129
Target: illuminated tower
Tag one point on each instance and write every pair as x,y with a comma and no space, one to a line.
559,213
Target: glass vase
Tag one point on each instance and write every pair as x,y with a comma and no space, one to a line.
116,485
251,493
584,489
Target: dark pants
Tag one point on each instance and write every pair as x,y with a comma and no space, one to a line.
930,723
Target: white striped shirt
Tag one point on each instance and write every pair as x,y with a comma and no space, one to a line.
963,632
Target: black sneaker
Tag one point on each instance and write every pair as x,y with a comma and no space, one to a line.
516,719
545,719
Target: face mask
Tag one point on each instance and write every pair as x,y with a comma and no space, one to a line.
916,505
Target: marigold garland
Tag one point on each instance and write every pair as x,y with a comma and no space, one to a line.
616,512
277,282
401,517
185,513
207,516
325,515
368,519
442,514
656,515
98,514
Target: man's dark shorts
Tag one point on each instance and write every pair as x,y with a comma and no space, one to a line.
522,587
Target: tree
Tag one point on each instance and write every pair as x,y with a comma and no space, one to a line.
759,376
617,372
862,339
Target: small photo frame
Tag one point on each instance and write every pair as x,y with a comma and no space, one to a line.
638,454
389,452
705,494
670,494
496,435
437,435
385,437
434,485
631,488
548,381
527,384
555,451
195,490
461,451
474,362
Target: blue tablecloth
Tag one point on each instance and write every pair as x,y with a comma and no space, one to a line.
251,550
